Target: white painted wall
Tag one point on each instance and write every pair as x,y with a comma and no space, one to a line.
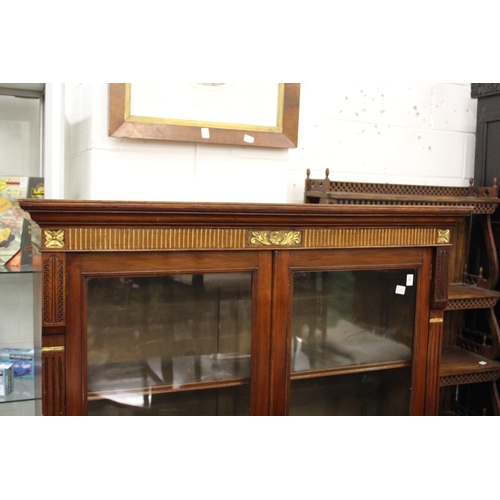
53,140
398,133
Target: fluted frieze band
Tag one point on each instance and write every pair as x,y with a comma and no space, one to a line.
123,239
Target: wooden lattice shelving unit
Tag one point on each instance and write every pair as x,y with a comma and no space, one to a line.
463,361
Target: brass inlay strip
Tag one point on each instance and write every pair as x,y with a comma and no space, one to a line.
372,237
436,320
53,349
99,239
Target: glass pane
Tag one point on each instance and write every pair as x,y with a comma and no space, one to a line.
350,318
20,337
19,136
230,401
149,338
374,393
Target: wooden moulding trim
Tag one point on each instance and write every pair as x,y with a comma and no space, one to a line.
133,239
53,213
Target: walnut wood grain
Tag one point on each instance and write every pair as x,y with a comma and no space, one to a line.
52,214
67,271
457,361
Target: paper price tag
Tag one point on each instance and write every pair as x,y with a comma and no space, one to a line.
409,280
400,290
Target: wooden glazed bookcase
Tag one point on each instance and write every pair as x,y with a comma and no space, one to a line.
285,249
463,361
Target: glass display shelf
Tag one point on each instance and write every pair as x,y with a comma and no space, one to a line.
20,270
20,329
24,390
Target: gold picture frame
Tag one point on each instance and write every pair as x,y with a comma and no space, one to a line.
282,134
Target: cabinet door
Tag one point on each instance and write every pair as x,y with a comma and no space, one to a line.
353,343
169,334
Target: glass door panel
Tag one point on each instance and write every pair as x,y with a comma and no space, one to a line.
352,341
169,345
230,401
373,393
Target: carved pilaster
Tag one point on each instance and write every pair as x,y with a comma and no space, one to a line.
439,291
53,290
53,381
434,348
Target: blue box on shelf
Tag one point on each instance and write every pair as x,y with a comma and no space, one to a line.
6,379
23,362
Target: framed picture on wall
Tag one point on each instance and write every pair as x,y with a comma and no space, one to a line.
247,114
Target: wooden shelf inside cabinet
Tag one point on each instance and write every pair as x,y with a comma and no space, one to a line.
459,367
462,296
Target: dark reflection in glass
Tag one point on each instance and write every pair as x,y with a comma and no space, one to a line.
348,318
375,393
167,332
